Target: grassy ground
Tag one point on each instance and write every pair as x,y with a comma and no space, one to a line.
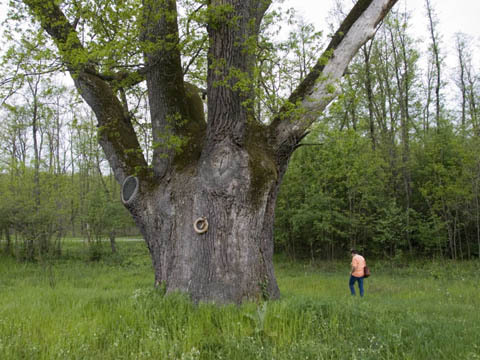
106,309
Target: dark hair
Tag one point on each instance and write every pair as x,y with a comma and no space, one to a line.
353,251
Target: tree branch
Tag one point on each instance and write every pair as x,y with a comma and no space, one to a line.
319,88
164,75
116,134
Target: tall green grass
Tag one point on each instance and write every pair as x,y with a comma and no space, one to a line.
107,309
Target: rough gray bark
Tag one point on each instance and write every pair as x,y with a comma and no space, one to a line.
232,261
230,167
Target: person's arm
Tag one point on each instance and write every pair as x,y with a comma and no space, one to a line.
354,264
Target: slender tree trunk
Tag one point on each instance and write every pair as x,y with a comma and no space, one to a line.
467,240
462,83
457,240
450,231
8,243
477,214
472,100
113,244
428,101
368,85
35,234
436,59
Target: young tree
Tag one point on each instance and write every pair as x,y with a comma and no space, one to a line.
467,81
405,57
436,59
206,202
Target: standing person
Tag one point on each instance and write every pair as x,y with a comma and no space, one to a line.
357,272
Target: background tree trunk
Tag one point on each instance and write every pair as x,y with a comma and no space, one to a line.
437,60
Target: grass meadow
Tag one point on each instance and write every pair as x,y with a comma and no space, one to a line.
76,308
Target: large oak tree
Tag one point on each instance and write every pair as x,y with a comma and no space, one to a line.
205,204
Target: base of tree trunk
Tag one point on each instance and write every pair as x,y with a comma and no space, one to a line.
232,261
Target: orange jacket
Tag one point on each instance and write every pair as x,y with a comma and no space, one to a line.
358,263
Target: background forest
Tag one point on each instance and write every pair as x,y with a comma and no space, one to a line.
392,168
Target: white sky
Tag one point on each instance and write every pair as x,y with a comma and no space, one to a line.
453,16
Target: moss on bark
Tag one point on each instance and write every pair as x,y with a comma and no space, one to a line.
263,168
192,131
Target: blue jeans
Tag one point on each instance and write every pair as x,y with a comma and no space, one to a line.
352,284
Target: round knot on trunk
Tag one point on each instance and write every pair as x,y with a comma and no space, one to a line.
201,225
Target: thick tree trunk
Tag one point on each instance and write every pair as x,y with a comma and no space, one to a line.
232,260
226,171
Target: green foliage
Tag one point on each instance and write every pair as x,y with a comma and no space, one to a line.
329,196
390,229
104,214
55,187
